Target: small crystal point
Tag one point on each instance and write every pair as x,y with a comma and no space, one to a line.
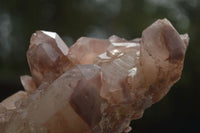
115,38
28,83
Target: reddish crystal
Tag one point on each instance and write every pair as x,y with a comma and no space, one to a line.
47,57
98,86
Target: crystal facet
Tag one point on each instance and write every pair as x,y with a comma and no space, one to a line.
47,57
85,50
97,86
28,83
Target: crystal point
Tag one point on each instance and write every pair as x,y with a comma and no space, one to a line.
47,57
97,86
28,83
85,50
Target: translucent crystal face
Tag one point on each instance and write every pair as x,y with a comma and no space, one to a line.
85,50
95,86
47,57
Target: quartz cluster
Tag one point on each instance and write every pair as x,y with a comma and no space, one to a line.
96,85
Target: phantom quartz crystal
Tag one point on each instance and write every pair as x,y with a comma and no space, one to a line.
96,85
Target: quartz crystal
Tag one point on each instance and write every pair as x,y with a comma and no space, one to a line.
95,86
47,57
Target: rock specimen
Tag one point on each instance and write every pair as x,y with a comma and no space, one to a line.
96,86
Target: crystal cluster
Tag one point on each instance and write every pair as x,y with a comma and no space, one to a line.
96,86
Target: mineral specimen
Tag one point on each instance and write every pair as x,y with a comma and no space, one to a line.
96,86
